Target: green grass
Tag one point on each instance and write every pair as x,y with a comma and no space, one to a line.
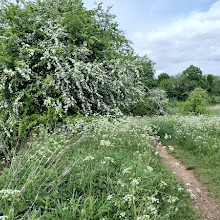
215,112
102,169
196,141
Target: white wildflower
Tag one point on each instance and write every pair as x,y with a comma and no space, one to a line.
172,199
152,209
105,143
134,182
126,170
4,217
143,217
7,193
110,159
180,189
198,190
109,197
128,198
88,158
163,183
153,199
190,191
150,168
122,215
171,148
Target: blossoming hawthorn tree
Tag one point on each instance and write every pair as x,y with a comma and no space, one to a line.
59,59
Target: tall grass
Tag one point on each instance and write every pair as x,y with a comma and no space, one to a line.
103,169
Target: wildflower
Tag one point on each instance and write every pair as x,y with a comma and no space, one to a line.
180,189
126,170
109,197
122,215
177,164
190,191
128,198
88,158
134,182
7,193
143,217
4,217
172,199
152,209
171,148
153,199
164,183
105,143
110,159
150,168
198,190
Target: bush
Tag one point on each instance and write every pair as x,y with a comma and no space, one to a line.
196,102
153,103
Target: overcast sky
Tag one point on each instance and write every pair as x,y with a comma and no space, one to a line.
173,33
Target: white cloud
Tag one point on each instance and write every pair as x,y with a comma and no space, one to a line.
188,40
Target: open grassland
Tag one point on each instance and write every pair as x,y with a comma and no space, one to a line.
196,141
99,169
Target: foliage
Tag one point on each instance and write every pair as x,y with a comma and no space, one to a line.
168,85
143,107
153,103
181,85
158,96
196,102
60,59
162,76
109,170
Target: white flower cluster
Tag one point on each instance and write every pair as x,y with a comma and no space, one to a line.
4,217
109,159
88,158
105,143
126,170
128,198
9,194
134,182
150,168
143,217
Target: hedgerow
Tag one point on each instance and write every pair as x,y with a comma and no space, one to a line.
60,59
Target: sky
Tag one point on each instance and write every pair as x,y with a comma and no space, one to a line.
172,33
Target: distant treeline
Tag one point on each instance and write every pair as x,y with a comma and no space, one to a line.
181,85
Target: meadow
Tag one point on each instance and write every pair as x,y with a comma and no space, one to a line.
98,168
196,141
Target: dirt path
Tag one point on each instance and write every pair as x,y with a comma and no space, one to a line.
214,107
207,207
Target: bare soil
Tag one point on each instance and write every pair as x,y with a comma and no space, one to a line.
214,107
207,207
